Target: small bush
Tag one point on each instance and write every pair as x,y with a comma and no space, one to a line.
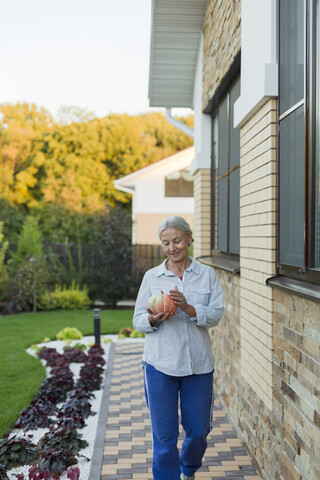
53,463
36,415
125,332
29,282
16,451
80,346
4,285
73,355
61,437
135,334
72,298
69,333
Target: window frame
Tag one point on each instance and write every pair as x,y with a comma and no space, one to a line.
224,94
308,272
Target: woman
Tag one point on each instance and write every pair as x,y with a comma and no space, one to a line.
177,357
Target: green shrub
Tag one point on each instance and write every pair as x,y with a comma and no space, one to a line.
135,334
80,346
74,270
126,331
72,298
4,285
69,333
29,243
110,276
28,283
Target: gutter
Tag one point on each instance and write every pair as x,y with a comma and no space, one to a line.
123,188
178,124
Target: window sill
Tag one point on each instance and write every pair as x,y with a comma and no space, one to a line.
222,261
295,287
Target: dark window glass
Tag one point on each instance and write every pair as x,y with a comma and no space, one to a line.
179,184
317,149
292,43
299,217
226,176
223,138
223,215
292,188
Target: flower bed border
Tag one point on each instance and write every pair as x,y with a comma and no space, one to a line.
98,447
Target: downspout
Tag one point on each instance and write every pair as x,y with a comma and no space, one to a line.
178,124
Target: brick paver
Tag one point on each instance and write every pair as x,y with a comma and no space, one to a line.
128,445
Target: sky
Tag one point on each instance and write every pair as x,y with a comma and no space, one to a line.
93,54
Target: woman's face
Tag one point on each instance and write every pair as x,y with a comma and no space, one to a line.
175,244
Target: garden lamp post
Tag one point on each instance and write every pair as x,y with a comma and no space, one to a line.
96,322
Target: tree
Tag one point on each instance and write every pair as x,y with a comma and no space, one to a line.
20,126
111,261
4,285
12,218
71,164
29,244
71,114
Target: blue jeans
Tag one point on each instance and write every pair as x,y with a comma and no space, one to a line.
196,403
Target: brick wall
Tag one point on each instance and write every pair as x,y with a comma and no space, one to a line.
284,440
202,213
258,183
252,419
226,342
297,386
221,43
267,346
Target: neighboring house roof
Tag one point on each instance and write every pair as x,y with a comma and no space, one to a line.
175,39
127,182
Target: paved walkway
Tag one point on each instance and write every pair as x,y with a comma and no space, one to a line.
128,446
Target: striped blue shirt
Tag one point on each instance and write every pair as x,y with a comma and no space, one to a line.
181,345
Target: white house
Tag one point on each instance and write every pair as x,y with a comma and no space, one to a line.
159,190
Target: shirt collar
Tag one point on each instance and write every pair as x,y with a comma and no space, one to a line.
162,269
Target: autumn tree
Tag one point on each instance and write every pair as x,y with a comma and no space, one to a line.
20,126
70,165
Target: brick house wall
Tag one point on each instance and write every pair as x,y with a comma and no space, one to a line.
297,385
226,343
267,346
258,219
221,43
202,213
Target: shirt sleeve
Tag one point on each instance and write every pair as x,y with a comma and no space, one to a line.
140,317
210,315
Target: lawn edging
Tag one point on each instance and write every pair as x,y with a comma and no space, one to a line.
98,448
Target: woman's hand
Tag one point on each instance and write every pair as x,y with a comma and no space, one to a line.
179,299
160,317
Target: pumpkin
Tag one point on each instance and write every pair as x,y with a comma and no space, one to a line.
161,303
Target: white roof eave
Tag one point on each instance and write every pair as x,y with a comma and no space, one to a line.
175,39
187,152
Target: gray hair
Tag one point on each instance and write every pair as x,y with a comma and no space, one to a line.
175,222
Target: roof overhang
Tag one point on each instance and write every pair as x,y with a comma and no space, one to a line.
127,183
175,39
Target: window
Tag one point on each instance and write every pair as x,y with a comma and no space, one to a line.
299,208
226,176
179,184
317,142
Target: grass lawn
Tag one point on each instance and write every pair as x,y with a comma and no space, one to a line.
20,374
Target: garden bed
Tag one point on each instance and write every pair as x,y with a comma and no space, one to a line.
88,432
